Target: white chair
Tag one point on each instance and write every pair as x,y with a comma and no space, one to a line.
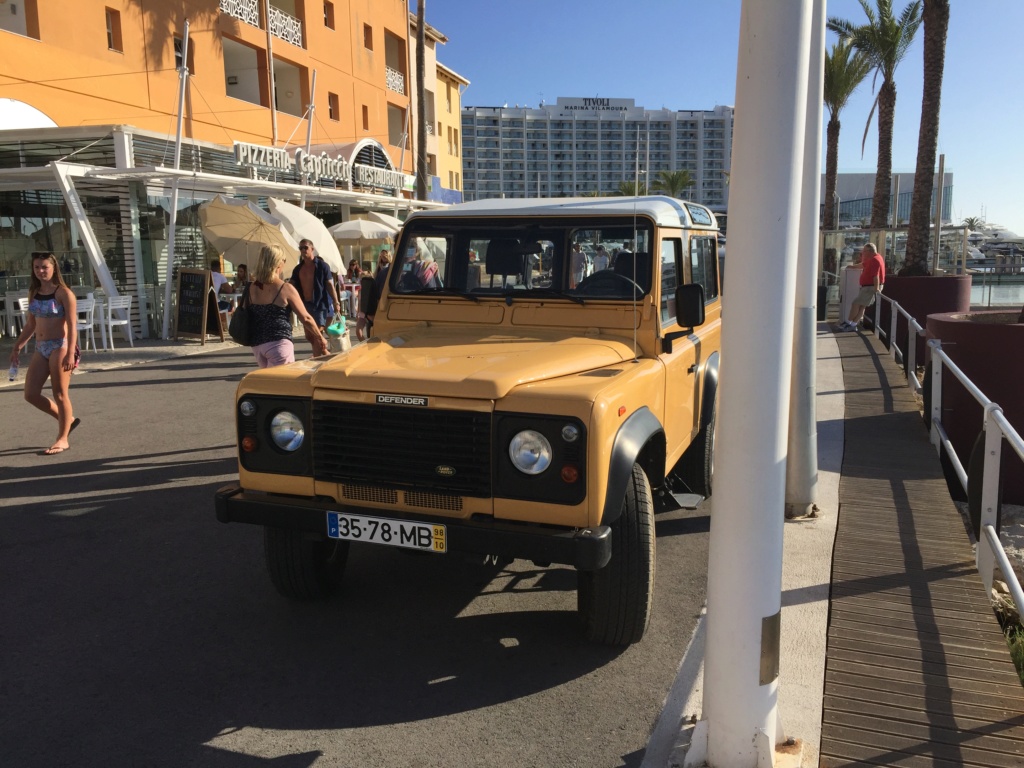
21,310
86,321
118,303
11,311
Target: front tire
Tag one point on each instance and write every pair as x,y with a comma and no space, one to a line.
302,568
698,461
615,602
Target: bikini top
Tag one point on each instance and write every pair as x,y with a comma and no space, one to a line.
46,305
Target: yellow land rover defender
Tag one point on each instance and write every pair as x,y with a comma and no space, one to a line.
540,377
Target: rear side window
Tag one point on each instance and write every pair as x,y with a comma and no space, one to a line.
704,266
669,269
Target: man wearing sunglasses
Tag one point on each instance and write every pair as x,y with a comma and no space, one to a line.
312,278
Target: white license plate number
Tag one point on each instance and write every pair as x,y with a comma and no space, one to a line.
428,537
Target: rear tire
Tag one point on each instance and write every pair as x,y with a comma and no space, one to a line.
697,463
615,601
302,568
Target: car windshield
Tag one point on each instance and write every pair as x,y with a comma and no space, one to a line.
558,258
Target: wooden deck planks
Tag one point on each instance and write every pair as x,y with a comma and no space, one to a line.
917,673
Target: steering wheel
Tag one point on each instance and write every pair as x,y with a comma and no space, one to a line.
608,283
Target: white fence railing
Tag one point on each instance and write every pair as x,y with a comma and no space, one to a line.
990,552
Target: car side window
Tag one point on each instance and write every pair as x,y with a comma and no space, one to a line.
704,266
670,250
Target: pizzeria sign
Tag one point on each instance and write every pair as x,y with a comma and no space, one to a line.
317,167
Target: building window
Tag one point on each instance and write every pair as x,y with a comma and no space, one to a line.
21,18
368,37
366,118
333,110
456,152
114,30
178,45
328,14
396,126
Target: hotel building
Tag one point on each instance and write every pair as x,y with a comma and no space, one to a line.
582,146
89,105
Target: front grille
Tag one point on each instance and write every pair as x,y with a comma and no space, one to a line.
369,493
421,449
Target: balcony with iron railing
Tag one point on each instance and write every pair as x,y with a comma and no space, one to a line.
394,80
282,24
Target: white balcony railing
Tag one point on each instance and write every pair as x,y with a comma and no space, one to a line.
394,80
285,26
245,10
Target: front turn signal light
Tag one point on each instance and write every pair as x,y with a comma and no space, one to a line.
250,443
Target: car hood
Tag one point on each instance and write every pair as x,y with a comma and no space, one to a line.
464,363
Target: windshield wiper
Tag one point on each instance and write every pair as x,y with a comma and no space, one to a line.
559,294
441,291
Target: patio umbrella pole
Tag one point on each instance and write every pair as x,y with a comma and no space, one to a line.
165,332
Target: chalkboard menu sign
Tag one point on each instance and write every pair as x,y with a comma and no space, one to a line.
197,313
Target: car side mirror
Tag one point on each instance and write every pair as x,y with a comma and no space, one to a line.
689,313
690,305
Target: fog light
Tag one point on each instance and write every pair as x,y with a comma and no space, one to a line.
247,407
570,433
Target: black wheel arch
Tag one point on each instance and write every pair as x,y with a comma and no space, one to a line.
640,440
709,390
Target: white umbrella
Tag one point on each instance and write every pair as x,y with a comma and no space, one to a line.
303,225
362,232
238,229
382,218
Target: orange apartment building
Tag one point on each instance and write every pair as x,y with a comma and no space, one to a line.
89,95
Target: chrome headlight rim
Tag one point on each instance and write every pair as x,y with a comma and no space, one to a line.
530,452
287,432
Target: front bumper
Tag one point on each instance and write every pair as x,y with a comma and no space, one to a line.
586,549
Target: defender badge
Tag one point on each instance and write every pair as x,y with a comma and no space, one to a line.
401,400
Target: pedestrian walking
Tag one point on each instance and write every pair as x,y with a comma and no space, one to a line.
53,320
271,301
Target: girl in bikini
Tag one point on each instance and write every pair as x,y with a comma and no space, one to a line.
52,319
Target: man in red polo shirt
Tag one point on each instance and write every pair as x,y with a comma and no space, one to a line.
872,280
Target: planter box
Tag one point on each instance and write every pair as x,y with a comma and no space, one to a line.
923,296
989,348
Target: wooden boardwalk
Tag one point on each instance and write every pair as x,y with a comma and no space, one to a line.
917,670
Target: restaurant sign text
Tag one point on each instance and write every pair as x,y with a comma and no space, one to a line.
318,167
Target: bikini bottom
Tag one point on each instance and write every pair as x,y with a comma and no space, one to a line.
47,347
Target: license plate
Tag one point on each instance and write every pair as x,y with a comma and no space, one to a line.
428,537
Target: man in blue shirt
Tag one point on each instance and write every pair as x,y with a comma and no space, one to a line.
312,278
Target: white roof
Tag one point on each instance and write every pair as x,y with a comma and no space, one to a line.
666,211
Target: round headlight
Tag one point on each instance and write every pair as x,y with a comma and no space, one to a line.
530,452
570,433
247,407
286,431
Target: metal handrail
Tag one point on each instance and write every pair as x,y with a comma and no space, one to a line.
990,552
996,428
913,330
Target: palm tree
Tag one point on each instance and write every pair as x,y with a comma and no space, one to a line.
845,69
672,183
884,40
629,189
973,223
936,22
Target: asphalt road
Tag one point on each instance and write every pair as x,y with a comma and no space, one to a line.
136,630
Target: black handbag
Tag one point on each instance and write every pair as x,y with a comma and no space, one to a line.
240,326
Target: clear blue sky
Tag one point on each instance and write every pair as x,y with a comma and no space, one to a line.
681,54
